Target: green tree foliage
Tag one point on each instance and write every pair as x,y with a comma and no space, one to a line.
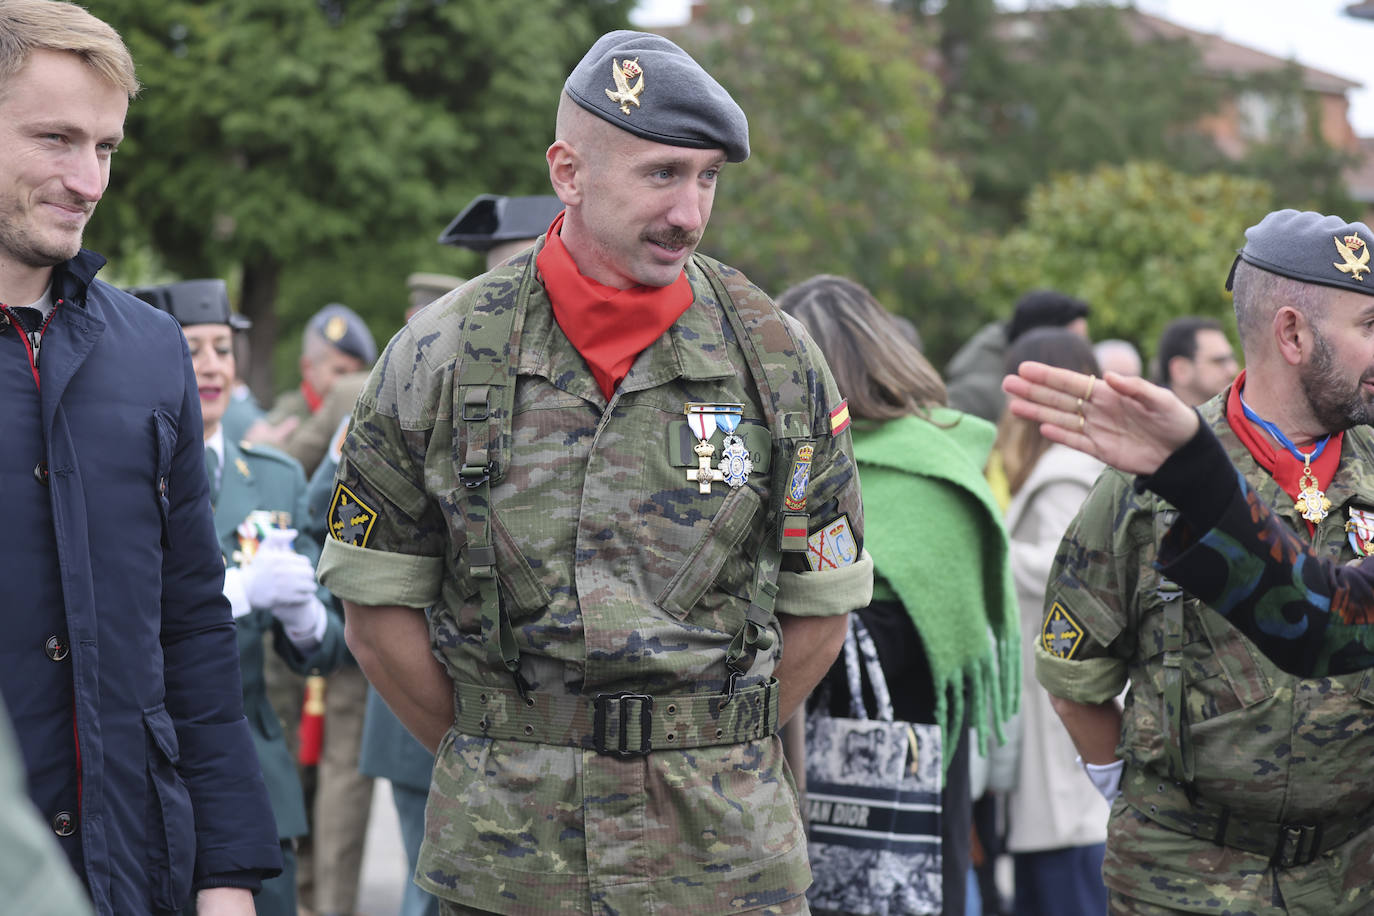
1142,243
311,150
1291,154
842,177
1065,90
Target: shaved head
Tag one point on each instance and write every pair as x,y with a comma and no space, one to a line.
589,136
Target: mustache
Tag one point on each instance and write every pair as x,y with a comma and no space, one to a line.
674,238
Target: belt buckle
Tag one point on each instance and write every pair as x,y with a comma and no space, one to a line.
1299,844
599,708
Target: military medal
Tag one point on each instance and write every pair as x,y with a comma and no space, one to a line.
735,464
703,419
1311,502
1360,528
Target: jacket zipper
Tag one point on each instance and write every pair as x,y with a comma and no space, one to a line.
32,340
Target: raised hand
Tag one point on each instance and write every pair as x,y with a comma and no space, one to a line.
1124,421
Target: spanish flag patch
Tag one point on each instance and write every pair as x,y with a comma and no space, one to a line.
839,419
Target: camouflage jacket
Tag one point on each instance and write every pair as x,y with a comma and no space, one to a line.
1305,610
1243,752
618,574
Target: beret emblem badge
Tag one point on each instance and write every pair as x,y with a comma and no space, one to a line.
625,94
335,329
1355,266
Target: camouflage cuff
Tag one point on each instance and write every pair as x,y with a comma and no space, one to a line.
1083,680
379,578
826,594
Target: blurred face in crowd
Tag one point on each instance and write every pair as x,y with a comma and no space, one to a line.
322,365
212,355
636,210
60,123
1211,369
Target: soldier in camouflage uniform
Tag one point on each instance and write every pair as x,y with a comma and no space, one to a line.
619,622
1245,789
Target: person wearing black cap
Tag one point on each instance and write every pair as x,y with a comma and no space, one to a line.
622,483
501,226
1237,787
974,373
258,495
336,343
118,667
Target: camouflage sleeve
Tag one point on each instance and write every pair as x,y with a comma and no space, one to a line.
836,574
1084,635
386,532
1312,616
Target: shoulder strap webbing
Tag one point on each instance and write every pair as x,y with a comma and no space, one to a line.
1174,715
786,399
485,399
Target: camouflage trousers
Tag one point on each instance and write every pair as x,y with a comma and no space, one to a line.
1119,904
795,907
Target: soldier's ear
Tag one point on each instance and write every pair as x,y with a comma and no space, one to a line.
1292,335
565,172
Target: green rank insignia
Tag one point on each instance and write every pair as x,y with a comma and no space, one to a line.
1061,635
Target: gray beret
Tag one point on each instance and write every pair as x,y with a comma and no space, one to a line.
1312,248
194,302
492,219
650,87
345,331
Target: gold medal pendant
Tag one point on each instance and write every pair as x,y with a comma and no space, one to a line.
1312,502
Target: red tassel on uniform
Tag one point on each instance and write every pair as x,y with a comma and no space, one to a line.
312,721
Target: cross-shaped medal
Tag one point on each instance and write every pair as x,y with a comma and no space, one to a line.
703,474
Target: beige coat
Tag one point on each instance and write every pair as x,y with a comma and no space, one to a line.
1052,804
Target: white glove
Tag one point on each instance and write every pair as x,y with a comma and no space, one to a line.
234,591
277,574
304,623
1106,777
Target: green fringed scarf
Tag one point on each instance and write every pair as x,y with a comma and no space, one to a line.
939,544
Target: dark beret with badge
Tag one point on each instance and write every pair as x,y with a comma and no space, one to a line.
194,302
345,331
1310,247
492,219
645,84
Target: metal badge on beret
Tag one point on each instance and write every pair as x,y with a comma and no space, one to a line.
648,86
1302,245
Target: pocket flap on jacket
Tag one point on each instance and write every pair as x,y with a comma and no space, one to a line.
159,723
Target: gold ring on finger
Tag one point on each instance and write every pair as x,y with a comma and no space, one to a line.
1092,380
1082,421
1078,409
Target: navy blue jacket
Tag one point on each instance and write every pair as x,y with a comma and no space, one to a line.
119,665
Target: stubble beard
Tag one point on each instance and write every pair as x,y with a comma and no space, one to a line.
1333,405
19,242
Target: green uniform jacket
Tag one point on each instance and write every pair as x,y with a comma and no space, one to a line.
618,574
1274,768
255,477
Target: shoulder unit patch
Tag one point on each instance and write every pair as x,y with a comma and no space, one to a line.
1061,634
350,519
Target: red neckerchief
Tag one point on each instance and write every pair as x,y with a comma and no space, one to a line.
313,400
1274,458
610,327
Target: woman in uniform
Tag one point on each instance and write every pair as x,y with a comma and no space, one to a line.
269,579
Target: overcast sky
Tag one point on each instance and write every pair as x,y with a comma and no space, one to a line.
1316,32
